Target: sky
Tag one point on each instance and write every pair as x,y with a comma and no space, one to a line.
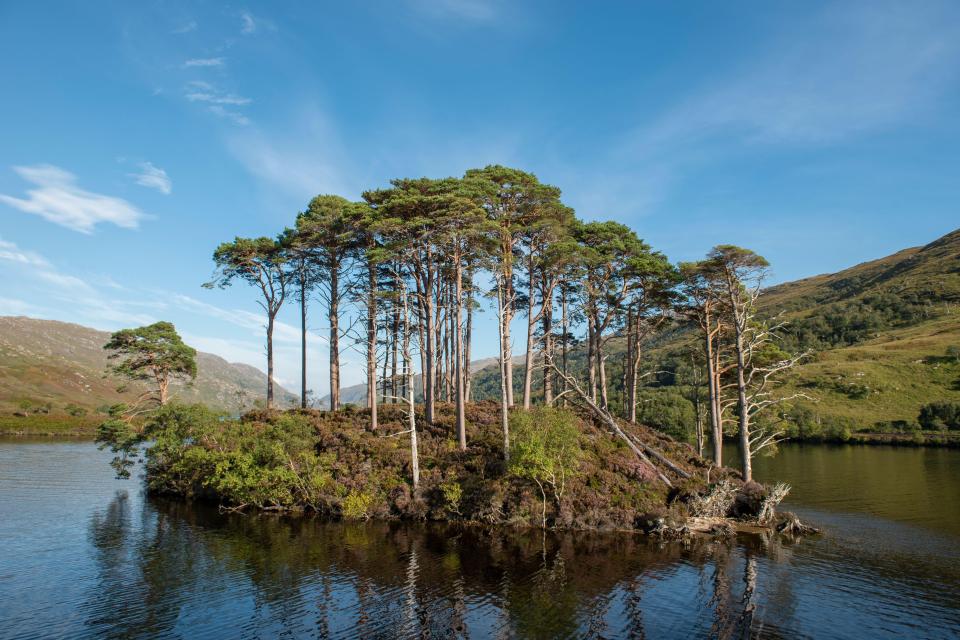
135,137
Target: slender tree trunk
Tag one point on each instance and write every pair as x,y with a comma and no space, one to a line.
334,316
504,396
163,386
429,374
592,358
468,340
531,320
458,357
629,373
507,344
602,368
565,324
408,383
745,454
548,373
395,330
270,319
716,427
372,344
303,343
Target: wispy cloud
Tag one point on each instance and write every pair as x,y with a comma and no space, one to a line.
200,91
187,27
302,165
853,69
248,23
234,116
153,178
205,62
218,101
58,199
10,252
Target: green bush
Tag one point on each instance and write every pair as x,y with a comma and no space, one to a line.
356,506
545,449
940,416
668,411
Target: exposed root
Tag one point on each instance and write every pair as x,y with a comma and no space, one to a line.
716,503
768,508
790,524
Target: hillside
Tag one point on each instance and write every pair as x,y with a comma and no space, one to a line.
57,363
879,332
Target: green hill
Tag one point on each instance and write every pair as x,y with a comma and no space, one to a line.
49,366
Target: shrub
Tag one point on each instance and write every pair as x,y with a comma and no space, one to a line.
940,415
452,494
545,449
667,411
356,506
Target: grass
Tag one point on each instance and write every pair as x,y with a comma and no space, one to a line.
885,379
49,425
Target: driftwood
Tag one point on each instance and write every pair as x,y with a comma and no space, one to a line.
639,448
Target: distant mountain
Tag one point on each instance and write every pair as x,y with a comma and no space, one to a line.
45,361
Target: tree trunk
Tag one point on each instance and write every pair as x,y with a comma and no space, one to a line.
565,324
458,358
745,455
592,359
468,339
716,428
334,316
303,343
372,344
408,383
270,318
429,374
548,352
528,355
504,396
630,373
163,386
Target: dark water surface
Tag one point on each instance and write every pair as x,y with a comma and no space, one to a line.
84,555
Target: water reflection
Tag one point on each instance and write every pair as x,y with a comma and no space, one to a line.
258,576
82,559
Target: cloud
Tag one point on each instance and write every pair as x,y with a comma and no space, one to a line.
249,24
234,116
153,177
59,200
14,307
200,91
186,28
12,253
852,69
205,62
309,162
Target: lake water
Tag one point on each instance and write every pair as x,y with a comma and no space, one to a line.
85,555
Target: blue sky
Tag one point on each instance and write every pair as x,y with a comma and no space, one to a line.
134,137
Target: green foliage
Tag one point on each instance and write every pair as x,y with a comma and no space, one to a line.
940,416
356,506
75,410
545,449
452,495
667,410
154,352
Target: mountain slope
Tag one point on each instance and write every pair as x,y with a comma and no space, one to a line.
45,361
